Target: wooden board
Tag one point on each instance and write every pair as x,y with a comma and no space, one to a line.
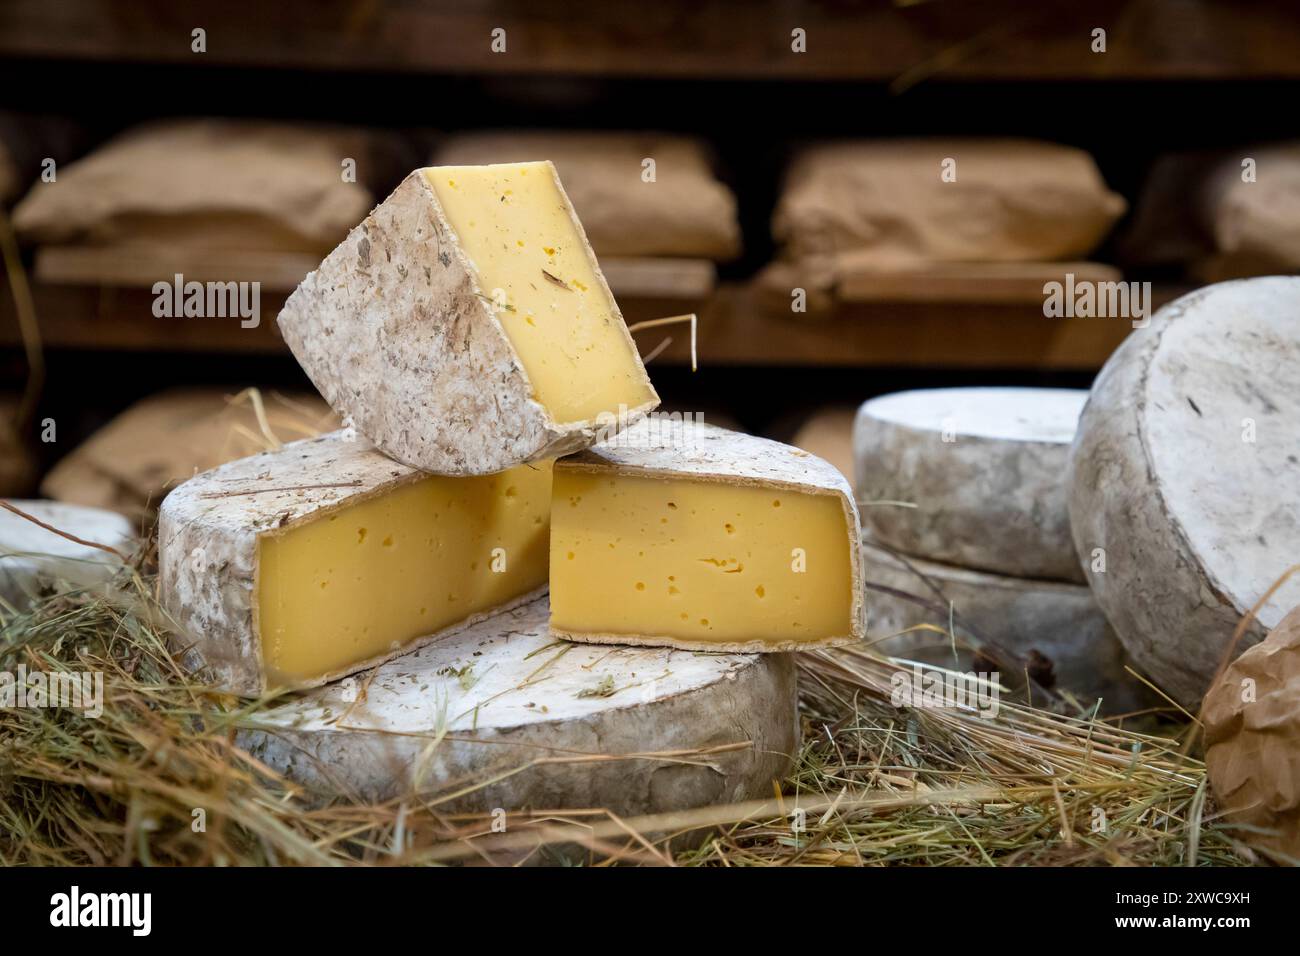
734,329
995,39
635,277
975,282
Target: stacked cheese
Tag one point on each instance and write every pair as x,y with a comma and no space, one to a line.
465,330
963,492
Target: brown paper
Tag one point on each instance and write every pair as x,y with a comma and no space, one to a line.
212,185
878,205
1252,740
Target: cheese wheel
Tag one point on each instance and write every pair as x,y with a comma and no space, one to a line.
32,557
1185,478
1058,620
985,469
548,724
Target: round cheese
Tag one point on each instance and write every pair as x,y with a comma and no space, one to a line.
984,469
1058,620
32,557
501,715
1185,478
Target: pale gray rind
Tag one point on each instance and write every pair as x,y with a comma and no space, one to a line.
992,499
32,557
207,545
422,724
1057,619
396,334
1195,524
657,447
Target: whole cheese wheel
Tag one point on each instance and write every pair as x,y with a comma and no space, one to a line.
548,724
33,557
985,470
1184,481
1040,622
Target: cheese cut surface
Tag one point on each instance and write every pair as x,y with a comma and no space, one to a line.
352,584
535,723
297,566
454,348
515,226
712,540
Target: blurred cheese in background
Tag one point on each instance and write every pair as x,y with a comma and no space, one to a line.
686,211
903,205
1196,212
130,463
167,190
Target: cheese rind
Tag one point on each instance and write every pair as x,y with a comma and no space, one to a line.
297,566
1183,478
984,469
522,722
706,539
401,334
1057,619
32,557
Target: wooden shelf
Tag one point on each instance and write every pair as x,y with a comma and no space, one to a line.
735,39
734,330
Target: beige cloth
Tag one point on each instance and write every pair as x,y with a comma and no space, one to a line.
132,462
1253,745
211,185
686,211
872,205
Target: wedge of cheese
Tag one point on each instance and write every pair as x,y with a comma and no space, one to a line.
465,327
524,722
297,566
697,537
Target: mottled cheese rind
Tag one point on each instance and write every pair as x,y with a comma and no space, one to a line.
973,477
501,716
210,534
707,470
1183,478
399,335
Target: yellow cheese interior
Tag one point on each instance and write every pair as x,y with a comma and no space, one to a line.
688,560
534,267
366,578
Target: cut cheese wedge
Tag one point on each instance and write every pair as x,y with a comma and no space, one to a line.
697,537
297,566
500,715
465,327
